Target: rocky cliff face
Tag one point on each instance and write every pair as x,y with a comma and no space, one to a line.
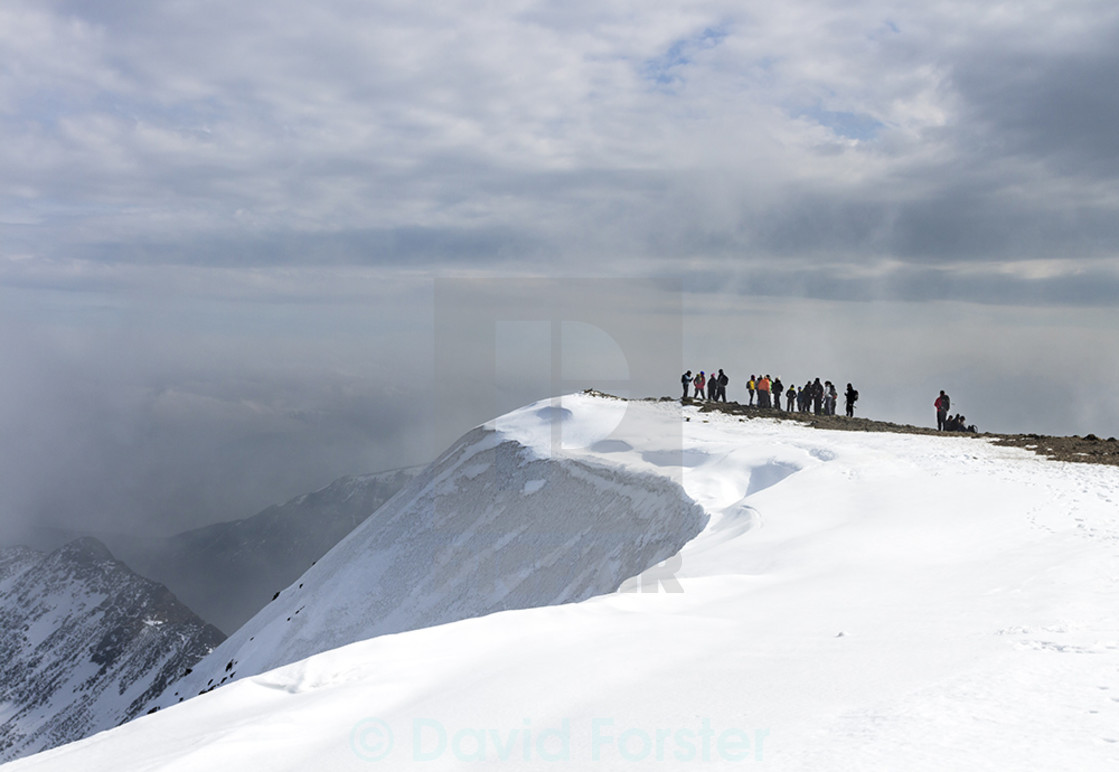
85,643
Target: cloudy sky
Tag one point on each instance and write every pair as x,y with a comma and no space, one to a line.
223,225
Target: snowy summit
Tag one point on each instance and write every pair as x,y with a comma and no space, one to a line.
591,583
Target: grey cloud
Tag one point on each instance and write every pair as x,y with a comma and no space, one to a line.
350,134
1059,107
447,247
1086,288
127,419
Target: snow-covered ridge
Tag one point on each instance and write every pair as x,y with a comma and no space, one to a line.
856,601
498,522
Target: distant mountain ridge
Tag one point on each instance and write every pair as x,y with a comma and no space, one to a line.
228,571
85,642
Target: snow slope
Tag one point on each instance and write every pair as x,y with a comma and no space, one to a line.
856,601
493,524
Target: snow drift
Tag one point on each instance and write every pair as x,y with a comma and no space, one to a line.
494,524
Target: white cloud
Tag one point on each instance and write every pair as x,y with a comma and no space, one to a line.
218,124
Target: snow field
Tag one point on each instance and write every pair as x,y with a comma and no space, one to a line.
855,601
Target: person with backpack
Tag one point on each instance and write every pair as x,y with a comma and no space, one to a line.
751,386
700,382
942,405
777,389
850,396
686,381
721,390
712,386
791,398
763,391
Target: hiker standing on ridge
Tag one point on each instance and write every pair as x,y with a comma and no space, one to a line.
751,385
850,396
686,381
942,405
721,390
699,382
777,389
712,387
763,391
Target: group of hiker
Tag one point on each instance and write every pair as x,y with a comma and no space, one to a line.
950,423
712,387
814,397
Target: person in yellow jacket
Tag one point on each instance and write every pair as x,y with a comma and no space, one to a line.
751,386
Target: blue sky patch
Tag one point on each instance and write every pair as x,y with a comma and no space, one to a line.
858,126
664,70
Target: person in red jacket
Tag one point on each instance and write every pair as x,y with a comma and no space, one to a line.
942,405
700,383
